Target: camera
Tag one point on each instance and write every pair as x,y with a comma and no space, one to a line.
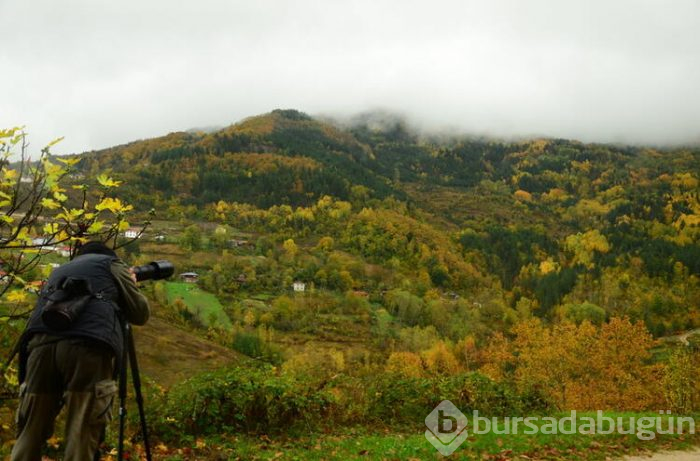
155,270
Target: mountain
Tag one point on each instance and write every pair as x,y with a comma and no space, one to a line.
555,222
284,157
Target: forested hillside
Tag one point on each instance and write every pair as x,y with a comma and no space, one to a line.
553,228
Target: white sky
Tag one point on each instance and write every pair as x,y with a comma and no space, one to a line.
102,73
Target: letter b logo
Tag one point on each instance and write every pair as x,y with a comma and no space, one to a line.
446,428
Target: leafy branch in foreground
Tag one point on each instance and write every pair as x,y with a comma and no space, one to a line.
42,209
45,206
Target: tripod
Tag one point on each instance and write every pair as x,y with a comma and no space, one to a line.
129,355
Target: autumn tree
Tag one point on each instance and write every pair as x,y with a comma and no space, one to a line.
41,207
681,381
44,205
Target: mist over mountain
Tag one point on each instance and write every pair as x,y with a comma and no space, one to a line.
288,157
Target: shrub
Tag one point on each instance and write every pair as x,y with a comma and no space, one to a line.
262,400
238,400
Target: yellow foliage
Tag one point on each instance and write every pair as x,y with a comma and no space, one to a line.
114,205
16,296
405,364
50,204
467,352
555,195
10,175
439,359
497,357
584,246
522,195
685,181
587,367
548,265
106,181
315,363
290,247
687,220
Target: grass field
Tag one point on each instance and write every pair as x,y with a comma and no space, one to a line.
200,303
389,443
385,445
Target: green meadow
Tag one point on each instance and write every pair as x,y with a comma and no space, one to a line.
205,306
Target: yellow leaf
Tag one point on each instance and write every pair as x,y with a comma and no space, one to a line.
106,181
51,204
11,378
46,270
68,161
54,142
11,174
70,215
22,234
113,204
123,225
95,227
51,228
60,197
16,296
9,132
53,170
61,236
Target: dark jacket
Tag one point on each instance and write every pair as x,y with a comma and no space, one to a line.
100,321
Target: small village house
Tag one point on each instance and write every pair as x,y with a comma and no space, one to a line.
189,277
132,233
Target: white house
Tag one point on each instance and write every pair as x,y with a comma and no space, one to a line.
189,277
299,286
132,234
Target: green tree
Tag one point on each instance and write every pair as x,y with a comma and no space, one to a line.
191,238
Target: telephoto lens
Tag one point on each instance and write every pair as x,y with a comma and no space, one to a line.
155,270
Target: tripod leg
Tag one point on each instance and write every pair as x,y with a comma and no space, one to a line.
122,394
139,397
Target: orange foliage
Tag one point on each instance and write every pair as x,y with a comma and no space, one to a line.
580,367
497,357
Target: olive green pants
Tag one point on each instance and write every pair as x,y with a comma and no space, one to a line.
69,373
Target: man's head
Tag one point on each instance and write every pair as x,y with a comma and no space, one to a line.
95,248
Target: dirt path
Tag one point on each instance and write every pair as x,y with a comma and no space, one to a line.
692,455
682,338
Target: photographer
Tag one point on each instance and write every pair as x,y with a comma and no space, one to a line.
75,364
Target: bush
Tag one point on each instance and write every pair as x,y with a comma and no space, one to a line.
263,401
237,400
252,345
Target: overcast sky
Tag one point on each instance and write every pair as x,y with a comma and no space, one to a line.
102,73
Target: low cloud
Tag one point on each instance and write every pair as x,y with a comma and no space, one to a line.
107,74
